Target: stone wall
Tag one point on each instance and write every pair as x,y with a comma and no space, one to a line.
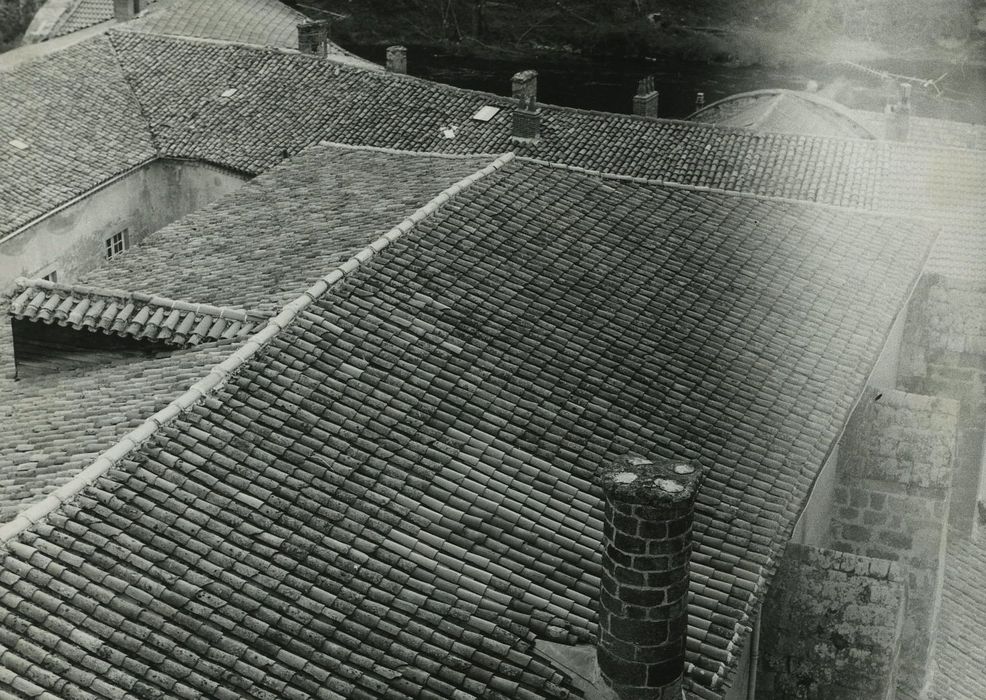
944,354
72,241
831,627
891,502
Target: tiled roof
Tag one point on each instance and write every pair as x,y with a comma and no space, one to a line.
390,489
129,314
77,123
786,112
260,22
83,14
960,649
274,235
925,131
53,426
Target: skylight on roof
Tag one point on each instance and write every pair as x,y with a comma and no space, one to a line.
18,144
486,113
229,93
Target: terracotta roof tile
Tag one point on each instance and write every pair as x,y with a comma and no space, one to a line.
51,427
393,495
129,314
85,13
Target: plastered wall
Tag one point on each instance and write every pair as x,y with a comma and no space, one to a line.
72,240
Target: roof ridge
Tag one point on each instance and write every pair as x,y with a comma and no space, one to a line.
225,312
133,93
403,152
220,374
672,184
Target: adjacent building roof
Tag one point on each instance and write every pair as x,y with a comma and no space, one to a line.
960,648
389,491
259,247
930,132
260,22
70,121
53,426
786,112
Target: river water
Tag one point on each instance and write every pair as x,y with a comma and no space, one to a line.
609,85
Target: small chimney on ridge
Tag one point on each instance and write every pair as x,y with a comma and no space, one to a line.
124,10
397,59
524,84
643,601
699,100
899,114
313,37
527,116
645,101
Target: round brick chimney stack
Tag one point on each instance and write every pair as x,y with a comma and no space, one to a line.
643,602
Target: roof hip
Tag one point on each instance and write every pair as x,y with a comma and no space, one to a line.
220,374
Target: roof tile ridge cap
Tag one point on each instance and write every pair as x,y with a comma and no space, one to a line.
219,374
226,312
144,114
403,152
671,184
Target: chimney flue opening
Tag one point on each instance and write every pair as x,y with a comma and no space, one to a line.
643,601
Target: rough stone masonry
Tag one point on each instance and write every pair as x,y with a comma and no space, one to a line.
647,536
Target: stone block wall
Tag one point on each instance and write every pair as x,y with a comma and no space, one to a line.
7,366
891,502
944,354
831,627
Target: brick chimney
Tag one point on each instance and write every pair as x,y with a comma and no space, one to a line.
699,100
397,59
643,602
124,10
8,369
645,101
313,37
526,121
525,85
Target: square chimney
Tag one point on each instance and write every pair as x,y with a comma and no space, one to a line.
313,37
645,102
124,10
396,59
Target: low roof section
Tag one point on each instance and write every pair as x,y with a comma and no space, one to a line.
960,648
243,258
389,490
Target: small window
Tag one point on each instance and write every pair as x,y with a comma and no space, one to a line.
117,243
51,277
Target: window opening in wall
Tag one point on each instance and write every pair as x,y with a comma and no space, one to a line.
51,277
117,243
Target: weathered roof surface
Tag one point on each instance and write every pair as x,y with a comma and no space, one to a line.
960,650
53,426
83,14
395,492
80,123
256,22
942,185
926,131
128,314
786,112
261,246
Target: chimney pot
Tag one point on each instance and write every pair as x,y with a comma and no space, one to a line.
899,115
643,602
645,102
699,100
313,37
397,59
524,85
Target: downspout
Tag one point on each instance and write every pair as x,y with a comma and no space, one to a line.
751,687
